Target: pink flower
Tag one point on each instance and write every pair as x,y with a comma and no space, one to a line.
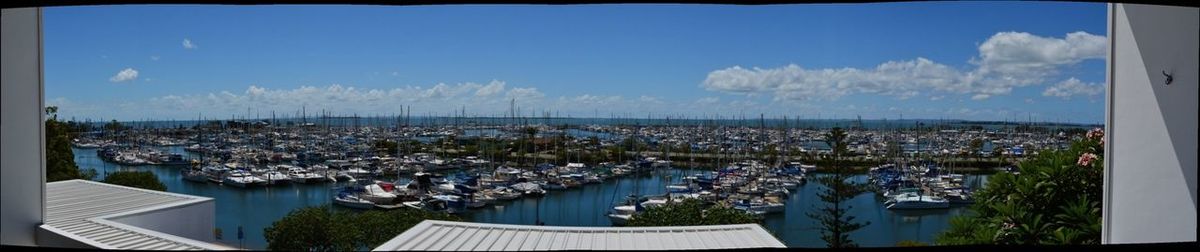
1095,133
1086,159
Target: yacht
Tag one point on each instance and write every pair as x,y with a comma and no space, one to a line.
276,178
194,173
653,202
375,194
620,214
240,178
529,189
910,200
348,199
504,193
215,173
759,206
300,175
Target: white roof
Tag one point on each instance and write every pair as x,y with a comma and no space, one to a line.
449,235
81,209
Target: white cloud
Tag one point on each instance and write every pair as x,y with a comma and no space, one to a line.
1029,100
154,58
1070,87
124,75
524,94
1006,60
980,97
935,98
490,89
1027,57
187,44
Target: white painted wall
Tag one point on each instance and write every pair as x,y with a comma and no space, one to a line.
194,221
1150,181
22,176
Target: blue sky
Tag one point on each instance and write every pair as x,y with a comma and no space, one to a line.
973,60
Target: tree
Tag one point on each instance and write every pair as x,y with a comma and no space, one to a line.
976,146
836,225
690,212
998,152
377,227
60,160
138,179
322,228
313,228
1055,200
389,147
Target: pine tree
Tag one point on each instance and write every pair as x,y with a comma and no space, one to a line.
836,225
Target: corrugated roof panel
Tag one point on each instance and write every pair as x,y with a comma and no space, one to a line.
505,237
445,235
545,238
75,206
437,231
470,239
531,239
571,241
440,242
487,239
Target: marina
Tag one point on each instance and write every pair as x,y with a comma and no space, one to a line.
273,169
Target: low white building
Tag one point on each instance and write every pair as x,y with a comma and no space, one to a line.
449,235
93,215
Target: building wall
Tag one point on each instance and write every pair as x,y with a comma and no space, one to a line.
22,176
1150,187
194,221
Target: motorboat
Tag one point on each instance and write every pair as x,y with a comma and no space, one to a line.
300,175
276,178
240,178
910,200
376,194
529,189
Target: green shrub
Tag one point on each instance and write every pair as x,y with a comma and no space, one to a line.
1055,199
690,212
322,228
138,179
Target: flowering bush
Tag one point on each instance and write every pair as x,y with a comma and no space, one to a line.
1055,200
1085,159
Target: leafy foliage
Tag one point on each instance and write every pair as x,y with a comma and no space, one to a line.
1055,199
60,160
836,225
138,179
322,228
910,243
690,212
